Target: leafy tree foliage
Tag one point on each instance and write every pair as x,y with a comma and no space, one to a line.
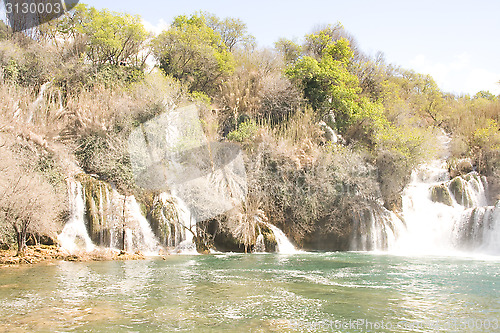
194,53
317,41
107,37
327,83
290,50
486,94
232,31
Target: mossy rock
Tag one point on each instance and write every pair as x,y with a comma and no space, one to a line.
269,239
162,215
457,188
441,194
472,176
96,194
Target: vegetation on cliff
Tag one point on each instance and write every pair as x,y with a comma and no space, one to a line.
328,131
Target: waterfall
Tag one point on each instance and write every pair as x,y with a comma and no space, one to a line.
440,215
374,228
260,246
75,232
429,222
185,226
100,215
145,239
444,215
283,244
478,229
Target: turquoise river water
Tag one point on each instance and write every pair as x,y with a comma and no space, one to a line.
305,292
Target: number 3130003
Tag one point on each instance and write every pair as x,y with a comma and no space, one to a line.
34,8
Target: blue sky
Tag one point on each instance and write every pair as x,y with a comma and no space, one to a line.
457,42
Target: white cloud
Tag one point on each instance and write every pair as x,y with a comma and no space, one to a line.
160,26
460,75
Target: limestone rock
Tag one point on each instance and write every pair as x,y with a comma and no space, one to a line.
440,193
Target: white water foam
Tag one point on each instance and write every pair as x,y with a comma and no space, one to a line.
429,224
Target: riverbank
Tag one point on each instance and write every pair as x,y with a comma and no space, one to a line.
46,254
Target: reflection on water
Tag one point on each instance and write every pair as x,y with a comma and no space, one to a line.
251,293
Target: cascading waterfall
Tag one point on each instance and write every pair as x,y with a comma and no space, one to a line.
102,216
478,229
440,215
260,245
185,225
429,223
75,232
443,215
119,223
142,238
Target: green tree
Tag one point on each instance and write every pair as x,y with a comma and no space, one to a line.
232,31
194,53
105,37
327,83
113,38
485,94
290,50
323,36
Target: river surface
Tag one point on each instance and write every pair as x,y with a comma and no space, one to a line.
305,292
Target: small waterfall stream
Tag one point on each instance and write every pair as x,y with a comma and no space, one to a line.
75,232
186,226
145,239
284,245
478,229
375,229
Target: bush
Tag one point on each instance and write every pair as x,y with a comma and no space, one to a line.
29,65
246,131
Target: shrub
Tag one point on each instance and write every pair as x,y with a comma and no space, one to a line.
246,131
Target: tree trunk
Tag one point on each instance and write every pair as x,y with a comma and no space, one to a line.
123,223
21,240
